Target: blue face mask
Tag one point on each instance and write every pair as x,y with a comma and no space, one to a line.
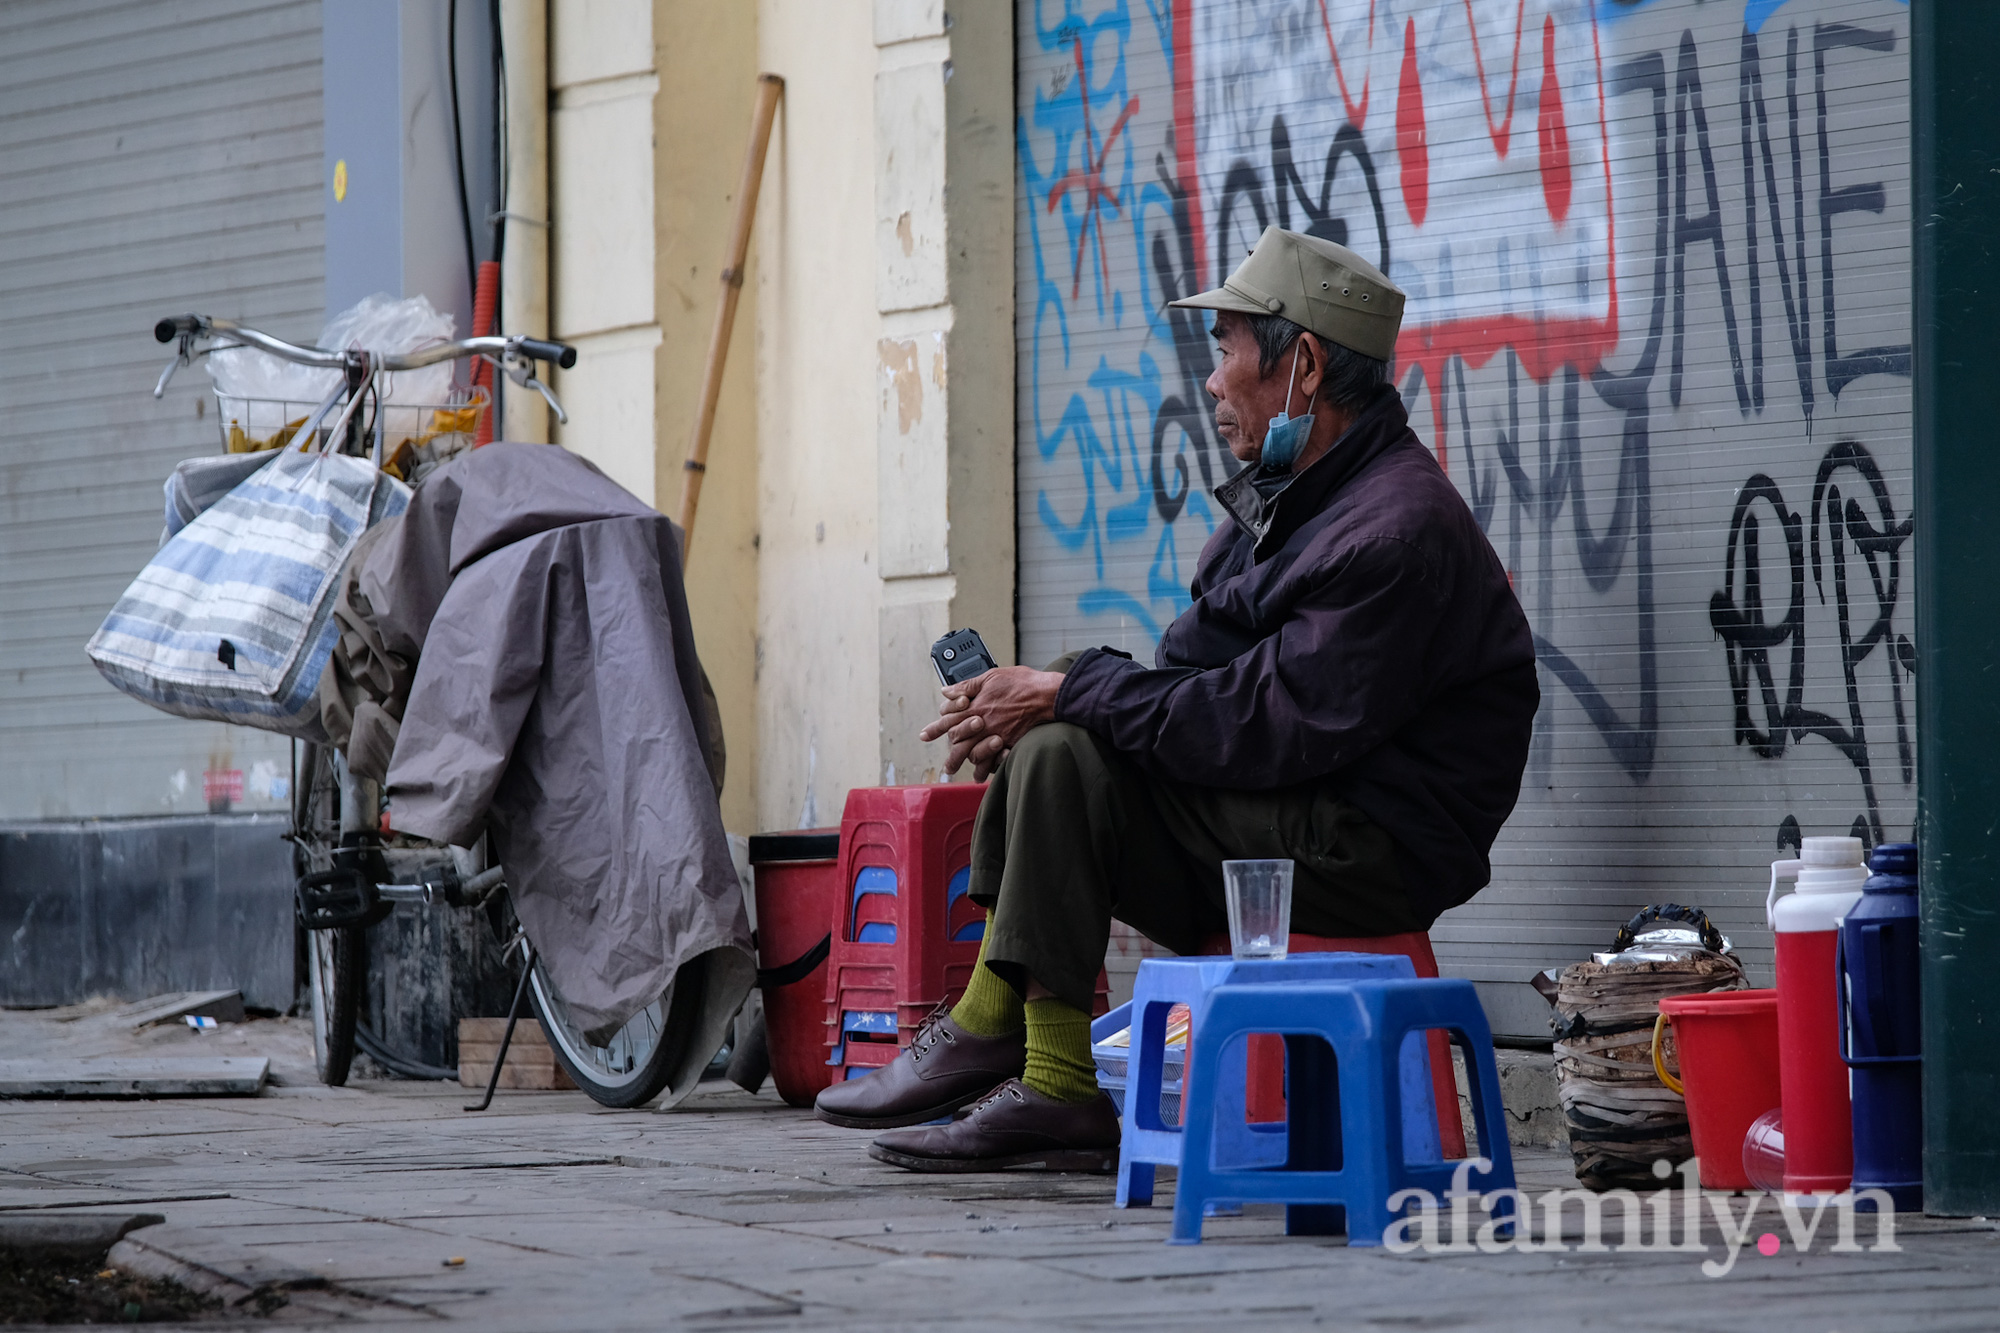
1287,435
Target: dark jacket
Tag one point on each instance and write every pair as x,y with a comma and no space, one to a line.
1352,626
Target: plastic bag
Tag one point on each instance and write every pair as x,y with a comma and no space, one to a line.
380,323
1666,933
216,627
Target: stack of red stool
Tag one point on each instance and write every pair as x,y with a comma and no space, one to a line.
1265,1092
906,934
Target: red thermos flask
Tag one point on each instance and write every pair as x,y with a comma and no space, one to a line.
1812,1078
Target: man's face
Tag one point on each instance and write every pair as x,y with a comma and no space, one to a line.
1245,398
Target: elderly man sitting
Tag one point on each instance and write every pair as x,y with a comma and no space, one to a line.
1352,689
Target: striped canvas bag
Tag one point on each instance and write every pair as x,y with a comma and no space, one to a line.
233,620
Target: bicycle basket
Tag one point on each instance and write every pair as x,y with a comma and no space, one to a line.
413,438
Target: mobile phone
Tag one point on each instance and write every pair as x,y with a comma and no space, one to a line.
961,655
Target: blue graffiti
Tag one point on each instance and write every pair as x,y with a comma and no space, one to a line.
1129,402
1121,439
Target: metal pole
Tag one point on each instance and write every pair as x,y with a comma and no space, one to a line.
524,262
1955,323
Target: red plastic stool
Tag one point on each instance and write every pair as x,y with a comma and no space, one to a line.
1265,1096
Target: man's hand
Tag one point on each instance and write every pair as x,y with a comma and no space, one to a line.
986,716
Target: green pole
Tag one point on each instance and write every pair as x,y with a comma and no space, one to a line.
1955,206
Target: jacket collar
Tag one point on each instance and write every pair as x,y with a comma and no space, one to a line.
1270,507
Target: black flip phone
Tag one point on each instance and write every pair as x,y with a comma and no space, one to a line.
961,655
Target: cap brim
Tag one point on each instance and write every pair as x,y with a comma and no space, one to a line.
1221,299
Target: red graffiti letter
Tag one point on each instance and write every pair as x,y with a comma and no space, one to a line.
1551,130
1411,149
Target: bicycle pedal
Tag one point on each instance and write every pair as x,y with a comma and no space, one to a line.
339,898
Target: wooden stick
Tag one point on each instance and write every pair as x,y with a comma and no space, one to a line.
769,89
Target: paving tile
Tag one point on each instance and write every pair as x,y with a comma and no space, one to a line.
738,1212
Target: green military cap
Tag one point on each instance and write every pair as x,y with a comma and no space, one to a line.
1315,284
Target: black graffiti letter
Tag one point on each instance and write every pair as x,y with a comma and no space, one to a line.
1798,315
1704,230
1320,220
1748,636
1184,410
1891,360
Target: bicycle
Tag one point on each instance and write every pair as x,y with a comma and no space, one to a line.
349,872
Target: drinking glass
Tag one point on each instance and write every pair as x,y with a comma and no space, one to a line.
1259,894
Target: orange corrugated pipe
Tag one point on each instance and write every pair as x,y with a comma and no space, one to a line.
485,299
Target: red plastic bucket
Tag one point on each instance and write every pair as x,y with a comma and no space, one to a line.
1728,1043
798,902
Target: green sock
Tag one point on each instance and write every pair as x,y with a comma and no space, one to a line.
1059,1063
989,1007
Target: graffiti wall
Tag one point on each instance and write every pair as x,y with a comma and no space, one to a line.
1657,254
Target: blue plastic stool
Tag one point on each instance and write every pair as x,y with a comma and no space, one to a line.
1344,1155
1114,1063
1148,1142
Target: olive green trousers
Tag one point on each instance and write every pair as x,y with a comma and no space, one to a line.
1073,834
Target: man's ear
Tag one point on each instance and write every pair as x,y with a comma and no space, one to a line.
1312,366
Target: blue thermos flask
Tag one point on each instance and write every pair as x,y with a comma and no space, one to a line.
1880,1033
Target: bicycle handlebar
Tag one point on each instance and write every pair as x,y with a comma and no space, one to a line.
562,354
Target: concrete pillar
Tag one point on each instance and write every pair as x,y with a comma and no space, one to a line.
603,82
818,593
888,250
395,221
944,256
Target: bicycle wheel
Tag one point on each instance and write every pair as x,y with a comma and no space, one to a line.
632,1068
333,959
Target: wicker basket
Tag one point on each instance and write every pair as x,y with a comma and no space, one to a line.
1620,1117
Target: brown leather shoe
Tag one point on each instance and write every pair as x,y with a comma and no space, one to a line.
944,1068
1013,1126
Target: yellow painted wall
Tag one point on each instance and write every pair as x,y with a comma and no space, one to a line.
859,494
706,54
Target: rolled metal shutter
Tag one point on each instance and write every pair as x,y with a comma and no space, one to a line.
154,160
1658,334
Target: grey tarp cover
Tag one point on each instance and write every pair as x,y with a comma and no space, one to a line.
366,686
544,608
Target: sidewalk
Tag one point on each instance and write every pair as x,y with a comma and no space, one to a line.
739,1212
